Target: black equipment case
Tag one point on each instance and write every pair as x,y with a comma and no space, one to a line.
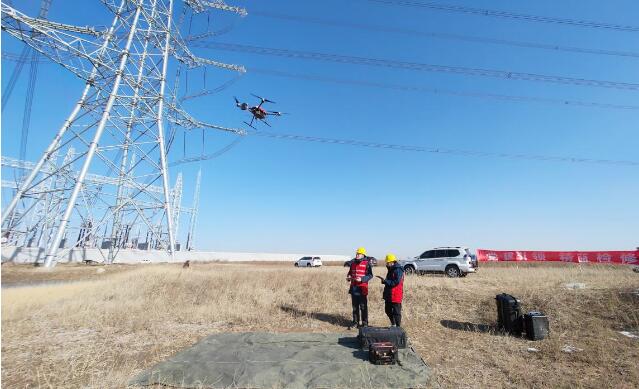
509,314
370,335
382,353
536,325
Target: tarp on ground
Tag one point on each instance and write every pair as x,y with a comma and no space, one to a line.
285,360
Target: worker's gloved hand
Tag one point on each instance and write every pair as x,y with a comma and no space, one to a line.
383,281
358,279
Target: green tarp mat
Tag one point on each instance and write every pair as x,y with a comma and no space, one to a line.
286,360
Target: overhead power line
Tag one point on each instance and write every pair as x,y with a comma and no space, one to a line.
439,91
442,151
446,36
409,88
28,105
206,157
504,74
507,14
21,59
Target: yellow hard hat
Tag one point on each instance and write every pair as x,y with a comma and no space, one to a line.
390,258
361,250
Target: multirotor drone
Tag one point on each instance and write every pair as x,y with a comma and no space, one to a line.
257,111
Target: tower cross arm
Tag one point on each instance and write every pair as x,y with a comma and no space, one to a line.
201,5
181,118
61,43
209,62
182,53
18,16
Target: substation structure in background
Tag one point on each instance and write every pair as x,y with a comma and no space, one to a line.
36,229
103,181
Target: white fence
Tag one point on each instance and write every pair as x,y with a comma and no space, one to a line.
31,255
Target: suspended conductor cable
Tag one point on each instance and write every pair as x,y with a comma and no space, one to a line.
209,34
28,105
15,74
439,35
217,89
504,74
507,14
375,84
207,157
13,57
442,151
414,88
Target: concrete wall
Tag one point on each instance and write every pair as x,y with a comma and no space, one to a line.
31,255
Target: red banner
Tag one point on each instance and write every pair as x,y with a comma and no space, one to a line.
617,257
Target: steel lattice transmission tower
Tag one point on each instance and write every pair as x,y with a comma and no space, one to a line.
118,125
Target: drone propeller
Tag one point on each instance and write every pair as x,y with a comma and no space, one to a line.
277,113
263,99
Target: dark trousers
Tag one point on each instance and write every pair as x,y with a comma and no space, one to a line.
394,312
360,305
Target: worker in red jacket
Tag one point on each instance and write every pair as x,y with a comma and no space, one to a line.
359,274
393,290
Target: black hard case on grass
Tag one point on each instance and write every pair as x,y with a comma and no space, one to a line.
382,353
509,314
370,335
536,325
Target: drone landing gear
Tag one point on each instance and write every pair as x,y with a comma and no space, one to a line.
250,125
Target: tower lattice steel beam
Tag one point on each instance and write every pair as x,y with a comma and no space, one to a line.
117,127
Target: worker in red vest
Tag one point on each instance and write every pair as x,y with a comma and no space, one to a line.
393,290
358,275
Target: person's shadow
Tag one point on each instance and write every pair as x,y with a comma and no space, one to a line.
325,317
470,327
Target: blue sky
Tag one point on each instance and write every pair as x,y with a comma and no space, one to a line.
289,196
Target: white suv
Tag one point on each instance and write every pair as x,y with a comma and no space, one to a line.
309,262
453,261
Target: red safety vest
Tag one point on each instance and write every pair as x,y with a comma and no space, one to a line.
358,269
397,292
394,294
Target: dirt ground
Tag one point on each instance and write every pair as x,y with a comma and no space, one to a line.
103,327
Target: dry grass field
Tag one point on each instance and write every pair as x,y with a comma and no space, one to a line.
100,331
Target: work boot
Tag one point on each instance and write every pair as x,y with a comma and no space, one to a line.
353,325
